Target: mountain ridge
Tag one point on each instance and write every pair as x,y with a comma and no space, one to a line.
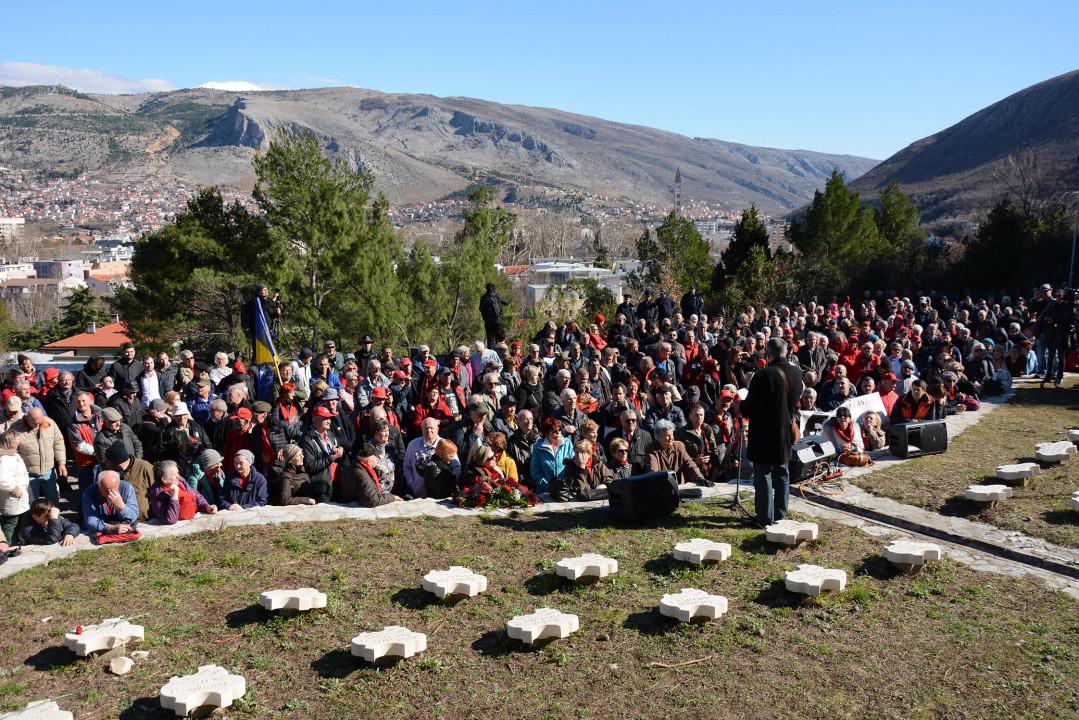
420,147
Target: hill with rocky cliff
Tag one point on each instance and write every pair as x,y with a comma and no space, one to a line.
419,147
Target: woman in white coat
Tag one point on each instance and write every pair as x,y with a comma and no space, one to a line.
14,486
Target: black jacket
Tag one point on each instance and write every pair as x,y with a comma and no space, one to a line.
638,448
317,463
769,408
50,533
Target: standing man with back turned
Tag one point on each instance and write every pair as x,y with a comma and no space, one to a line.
491,311
770,406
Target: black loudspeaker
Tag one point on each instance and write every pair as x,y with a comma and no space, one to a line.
807,455
914,439
644,497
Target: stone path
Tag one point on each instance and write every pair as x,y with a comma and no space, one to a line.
994,550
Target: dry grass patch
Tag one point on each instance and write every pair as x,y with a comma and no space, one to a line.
946,642
1008,435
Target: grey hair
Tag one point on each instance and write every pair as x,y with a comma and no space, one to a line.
67,373
219,404
776,348
522,413
164,467
664,426
568,392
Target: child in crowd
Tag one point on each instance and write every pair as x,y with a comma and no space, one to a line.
46,527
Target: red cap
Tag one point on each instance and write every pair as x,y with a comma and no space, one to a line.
726,394
430,362
380,392
399,375
241,414
406,362
888,376
323,411
600,319
239,367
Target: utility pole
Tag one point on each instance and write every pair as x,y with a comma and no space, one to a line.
1075,231
678,192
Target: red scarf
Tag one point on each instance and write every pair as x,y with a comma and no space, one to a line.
846,436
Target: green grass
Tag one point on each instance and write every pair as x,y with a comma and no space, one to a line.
943,642
1007,435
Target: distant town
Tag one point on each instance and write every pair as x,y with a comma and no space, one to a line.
58,234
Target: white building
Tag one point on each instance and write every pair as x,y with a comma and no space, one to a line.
16,271
11,228
544,274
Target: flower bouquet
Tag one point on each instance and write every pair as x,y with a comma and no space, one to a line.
503,493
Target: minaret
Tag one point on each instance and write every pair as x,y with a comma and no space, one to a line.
678,192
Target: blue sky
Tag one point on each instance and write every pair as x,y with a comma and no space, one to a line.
865,78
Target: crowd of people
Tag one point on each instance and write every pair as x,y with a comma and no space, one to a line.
660,386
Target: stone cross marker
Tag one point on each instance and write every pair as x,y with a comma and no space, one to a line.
987,493
910,554
1060,451
699,550
813,580
543,624
1018,472
689,604
299,600
391,641
590,565
790,532
212,686
109,634
455,581
39,710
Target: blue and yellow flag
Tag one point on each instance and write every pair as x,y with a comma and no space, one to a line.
264,349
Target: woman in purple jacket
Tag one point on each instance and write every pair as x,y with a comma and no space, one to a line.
172,499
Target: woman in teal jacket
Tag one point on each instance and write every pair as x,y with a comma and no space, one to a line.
550,454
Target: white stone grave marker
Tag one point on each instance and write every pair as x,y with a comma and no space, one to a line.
689,604
700,550
1018,471
109,634
212,686
299,600
813,580
790,532
1073,436
987,493
455,581
39,710
543,624
1075,501
589,565
910,554
390,641
1054,452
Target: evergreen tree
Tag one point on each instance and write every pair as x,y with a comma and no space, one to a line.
189,278
80,309
899,223
336,252
837,234
676,250
749,232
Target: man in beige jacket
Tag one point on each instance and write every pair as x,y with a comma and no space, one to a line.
41,446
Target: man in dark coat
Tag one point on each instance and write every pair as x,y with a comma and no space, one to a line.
125,369
491,310
639,439
626,310
770,405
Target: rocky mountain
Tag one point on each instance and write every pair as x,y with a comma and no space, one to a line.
420,147
1026,143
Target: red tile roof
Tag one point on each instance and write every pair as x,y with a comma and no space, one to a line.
107,336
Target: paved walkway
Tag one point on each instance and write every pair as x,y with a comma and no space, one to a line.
887,521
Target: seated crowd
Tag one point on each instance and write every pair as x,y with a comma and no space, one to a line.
656,388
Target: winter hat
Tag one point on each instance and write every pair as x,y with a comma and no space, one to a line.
208,458
246,454
111,415
117,453
290,452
